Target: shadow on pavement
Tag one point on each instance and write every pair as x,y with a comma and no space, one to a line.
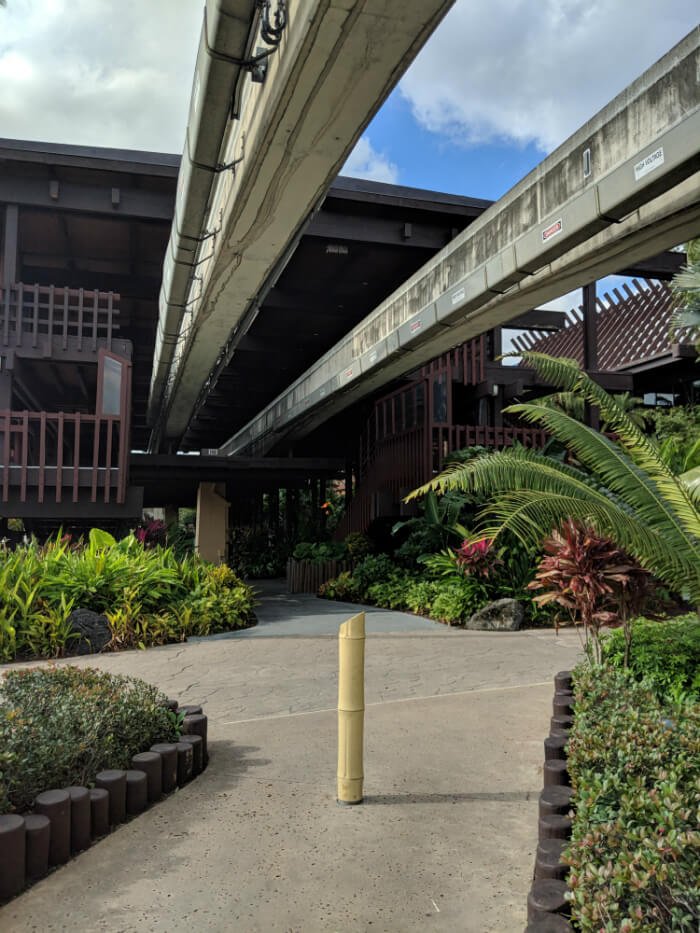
505,796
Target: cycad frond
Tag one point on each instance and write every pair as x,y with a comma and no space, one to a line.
670,509
530,516
642,450
500,470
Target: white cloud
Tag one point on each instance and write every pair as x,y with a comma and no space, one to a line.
96,72
523,71
101,72
365,162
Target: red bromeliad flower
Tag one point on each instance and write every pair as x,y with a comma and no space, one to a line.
477,558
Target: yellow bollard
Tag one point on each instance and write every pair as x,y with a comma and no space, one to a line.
351,708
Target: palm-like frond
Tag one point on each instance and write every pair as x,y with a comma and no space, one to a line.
641,449
686,286
530,493
686,290
629,495
619,473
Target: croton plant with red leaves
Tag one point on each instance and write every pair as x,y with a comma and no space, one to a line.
593,578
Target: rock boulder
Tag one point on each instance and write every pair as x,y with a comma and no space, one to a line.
503,615
92,629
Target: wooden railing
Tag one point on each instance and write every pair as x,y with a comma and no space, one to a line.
458,436
399,463
30,314
57,455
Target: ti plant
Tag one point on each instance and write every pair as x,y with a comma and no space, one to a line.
593,579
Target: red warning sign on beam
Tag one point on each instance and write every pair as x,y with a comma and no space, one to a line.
552,230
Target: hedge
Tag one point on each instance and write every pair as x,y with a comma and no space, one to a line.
60,726
634,762
665,654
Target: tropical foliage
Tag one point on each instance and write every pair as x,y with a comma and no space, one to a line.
149,596
634,761
686,286
593,579
622,487
665,655
60,726
448,586
677,432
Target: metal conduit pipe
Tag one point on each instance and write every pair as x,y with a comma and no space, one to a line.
223,57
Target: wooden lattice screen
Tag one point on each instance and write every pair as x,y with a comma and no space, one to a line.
634,324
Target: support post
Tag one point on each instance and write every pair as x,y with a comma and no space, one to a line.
590,328
211,530
5,389
8,274
590,345
348,483
351,709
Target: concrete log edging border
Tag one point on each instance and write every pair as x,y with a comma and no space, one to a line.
548,911
67,821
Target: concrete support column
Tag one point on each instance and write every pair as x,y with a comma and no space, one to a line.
211,532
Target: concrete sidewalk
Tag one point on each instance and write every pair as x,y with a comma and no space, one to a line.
445,839
282,614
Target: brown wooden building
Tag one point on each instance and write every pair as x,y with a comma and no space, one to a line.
83,233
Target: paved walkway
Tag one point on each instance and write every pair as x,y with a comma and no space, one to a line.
445,839
283,613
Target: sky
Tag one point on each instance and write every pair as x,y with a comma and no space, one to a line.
498,86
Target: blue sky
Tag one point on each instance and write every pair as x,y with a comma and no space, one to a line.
501,84
496,87
426,159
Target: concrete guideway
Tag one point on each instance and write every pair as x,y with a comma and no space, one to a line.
453,756
626,185
286,138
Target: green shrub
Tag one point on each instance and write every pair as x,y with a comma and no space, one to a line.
458,599
635,769
421,594
148,595
373,569
666,654
391,594
60,726
320,551
342,587
358,545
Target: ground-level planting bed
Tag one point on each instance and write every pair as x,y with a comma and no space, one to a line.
81,751
619,821
68,597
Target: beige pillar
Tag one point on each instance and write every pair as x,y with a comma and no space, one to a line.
211,530
351,709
